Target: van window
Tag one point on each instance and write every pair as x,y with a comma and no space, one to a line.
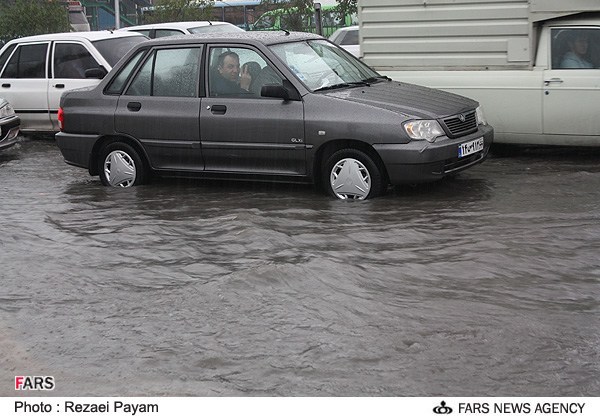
29,61
575,48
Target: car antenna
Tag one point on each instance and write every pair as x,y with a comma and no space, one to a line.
287,32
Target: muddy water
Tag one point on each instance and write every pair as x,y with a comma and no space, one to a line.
487,284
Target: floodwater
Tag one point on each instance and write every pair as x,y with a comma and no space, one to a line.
484,285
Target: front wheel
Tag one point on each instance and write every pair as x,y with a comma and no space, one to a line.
352,174
120,165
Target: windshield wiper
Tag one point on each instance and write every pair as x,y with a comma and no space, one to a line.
377,79
342,85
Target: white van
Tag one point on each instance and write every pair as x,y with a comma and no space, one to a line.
36,70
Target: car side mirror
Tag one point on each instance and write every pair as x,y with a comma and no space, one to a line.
98,72
274,90
285,91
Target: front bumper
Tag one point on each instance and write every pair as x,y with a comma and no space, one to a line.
76,148
9,131
422,161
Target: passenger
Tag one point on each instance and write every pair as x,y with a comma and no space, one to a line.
226,80
250,70
576,56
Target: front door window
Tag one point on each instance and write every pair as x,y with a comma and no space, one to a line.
239,72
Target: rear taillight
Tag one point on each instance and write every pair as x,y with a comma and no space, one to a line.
61,118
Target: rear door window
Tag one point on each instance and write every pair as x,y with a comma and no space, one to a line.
168,72
117,84
28,61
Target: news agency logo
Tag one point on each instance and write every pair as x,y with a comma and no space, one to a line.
442,409
34,383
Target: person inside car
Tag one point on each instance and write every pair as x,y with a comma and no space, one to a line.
226,80
576,57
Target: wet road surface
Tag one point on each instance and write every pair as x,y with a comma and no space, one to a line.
486,284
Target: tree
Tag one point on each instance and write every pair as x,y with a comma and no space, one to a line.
295,13
346,7
20,18
180,10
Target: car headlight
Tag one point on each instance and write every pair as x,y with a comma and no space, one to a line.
6,111
428,130
479,115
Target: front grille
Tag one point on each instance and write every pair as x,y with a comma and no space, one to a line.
455,127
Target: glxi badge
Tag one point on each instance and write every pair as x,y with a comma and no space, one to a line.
34,383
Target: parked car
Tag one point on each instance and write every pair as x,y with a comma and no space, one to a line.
309,114
9,125
159,30
36,70
347,38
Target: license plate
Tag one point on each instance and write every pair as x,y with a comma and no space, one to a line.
470,147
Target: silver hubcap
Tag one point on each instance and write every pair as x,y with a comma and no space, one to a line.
119,169
350,179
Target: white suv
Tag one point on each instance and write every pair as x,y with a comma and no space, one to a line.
36,70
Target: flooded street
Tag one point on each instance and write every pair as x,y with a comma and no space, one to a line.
484,285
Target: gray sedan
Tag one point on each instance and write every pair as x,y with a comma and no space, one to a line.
274,106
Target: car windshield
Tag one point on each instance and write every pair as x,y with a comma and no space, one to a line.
115,48
320,65
215,28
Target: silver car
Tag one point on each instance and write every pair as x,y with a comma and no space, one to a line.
275,106
9,125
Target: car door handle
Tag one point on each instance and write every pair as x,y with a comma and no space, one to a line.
6,85
553,80
218,109
59,86
134,106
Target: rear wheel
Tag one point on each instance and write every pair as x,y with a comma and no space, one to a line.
352,174
120,165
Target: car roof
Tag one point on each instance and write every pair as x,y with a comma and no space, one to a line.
263,37
177,25
77,36
347,28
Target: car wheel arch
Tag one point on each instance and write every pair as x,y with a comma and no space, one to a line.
105,140
330,147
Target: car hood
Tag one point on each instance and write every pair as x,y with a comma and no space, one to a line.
406,99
